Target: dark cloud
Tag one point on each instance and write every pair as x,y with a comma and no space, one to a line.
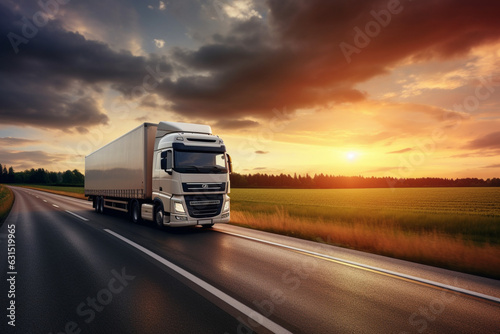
11,141
401,151
53,78
261,152
150,101
489,141
295,58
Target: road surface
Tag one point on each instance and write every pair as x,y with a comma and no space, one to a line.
77,271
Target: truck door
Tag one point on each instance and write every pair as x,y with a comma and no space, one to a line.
161,179
157,172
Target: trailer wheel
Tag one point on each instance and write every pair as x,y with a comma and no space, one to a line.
159,216
135,212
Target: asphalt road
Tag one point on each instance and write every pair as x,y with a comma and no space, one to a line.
76,271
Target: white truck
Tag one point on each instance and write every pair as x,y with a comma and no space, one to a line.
174,174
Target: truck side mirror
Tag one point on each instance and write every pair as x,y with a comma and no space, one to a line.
229,163
167,161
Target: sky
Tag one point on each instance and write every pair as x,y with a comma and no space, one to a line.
374,88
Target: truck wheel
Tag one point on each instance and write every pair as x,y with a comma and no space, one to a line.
96,204
207,225
135,212
101,204
159,216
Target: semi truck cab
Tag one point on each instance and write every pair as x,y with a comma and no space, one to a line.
190,177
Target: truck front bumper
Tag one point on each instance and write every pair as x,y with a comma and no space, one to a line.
178,221
180,215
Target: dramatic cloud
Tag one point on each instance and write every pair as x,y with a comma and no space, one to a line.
295,58
53,79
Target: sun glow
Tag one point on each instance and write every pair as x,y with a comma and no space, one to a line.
351,156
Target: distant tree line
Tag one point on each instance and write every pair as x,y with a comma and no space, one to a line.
322,181
318,181
41,176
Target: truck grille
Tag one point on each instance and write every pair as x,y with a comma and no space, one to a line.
203,187
204,206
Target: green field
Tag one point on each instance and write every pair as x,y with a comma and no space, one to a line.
470,201
472,213
454,228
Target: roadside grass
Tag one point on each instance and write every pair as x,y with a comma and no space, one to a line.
478,229
6,202
427,247
76,192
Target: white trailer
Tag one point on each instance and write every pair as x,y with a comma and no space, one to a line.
175,174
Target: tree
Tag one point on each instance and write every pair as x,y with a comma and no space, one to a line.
78,177
11,176
68,177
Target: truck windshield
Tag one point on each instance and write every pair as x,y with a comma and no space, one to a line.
199,162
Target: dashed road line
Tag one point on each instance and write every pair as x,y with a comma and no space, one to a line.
78,216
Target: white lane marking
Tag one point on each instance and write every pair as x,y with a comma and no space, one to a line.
45,200
257,317
390,272
37,197
55,206
78,216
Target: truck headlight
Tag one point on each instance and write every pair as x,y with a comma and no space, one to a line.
178,207
226,206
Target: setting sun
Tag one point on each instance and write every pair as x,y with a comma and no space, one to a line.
351,156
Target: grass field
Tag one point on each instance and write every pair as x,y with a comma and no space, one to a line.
6,201
472,213
456,228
